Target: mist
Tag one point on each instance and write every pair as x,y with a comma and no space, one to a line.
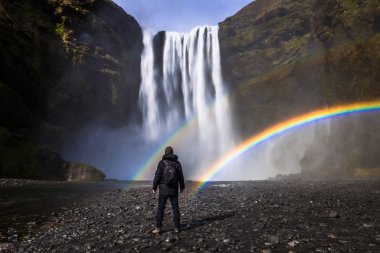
121,153
181,86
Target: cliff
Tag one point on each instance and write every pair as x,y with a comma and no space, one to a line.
285,58
63,65
69,64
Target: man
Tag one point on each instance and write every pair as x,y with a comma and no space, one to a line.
168,176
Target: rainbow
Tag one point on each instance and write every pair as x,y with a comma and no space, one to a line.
178,135
149,163
281,128
143,172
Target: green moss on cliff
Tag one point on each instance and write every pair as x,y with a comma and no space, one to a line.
348,4
353,71
60,29
50,84
83,172
291,57
297,44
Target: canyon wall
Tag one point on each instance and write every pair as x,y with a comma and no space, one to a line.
64,65
285,58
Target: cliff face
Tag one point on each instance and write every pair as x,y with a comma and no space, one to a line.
83,172
284,58
63,66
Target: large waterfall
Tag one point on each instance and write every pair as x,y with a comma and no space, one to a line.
182,94
181,81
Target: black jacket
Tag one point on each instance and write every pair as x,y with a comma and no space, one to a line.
158,178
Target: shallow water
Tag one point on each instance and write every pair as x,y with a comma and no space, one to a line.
34,203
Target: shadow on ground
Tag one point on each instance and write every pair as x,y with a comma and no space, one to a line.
194,223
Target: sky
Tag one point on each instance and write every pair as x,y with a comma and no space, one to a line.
180,15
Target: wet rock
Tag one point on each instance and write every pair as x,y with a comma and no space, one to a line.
333,236
171,239
273,239
368,225
334,214
293,243
120,242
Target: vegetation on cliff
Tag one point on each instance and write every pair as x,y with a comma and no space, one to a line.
64,64
284,58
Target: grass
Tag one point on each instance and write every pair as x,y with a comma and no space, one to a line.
348,4
109,71
59,29
297,43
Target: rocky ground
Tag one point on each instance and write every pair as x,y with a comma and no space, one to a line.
266,216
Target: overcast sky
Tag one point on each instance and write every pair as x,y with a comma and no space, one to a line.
180,15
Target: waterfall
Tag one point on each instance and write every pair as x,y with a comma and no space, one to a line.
148,89
181,79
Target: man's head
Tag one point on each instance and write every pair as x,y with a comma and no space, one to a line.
168,150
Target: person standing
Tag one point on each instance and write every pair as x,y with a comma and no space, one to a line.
168,176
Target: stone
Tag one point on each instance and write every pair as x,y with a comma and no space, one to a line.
170,239
334,214
273,239
293,243
229,233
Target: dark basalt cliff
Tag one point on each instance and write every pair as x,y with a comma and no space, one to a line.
284,58
63,65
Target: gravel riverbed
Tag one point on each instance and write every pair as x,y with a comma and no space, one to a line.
257,216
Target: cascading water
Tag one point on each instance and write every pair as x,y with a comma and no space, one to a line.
181,83
148,89
181,79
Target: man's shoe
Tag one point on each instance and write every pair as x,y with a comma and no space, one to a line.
156,231
177,230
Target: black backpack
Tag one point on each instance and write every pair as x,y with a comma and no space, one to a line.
170,174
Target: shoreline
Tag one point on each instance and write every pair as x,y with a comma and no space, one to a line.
16,182
26,205
260,216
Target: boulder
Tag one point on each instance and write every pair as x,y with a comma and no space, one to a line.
83,172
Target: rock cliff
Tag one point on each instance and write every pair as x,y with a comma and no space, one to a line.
67,64
284,58
64,64
83,172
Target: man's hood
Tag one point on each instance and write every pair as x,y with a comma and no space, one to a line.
170,157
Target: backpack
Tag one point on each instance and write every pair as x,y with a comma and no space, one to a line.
170,174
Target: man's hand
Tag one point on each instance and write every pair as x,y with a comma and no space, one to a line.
154,191
181,190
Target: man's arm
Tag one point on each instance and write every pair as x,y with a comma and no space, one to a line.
157,176
181,179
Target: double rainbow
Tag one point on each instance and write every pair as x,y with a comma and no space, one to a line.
256,139
283,127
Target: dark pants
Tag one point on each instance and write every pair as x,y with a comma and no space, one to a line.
161,207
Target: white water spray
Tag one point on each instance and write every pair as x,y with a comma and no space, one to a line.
186,82
148,90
